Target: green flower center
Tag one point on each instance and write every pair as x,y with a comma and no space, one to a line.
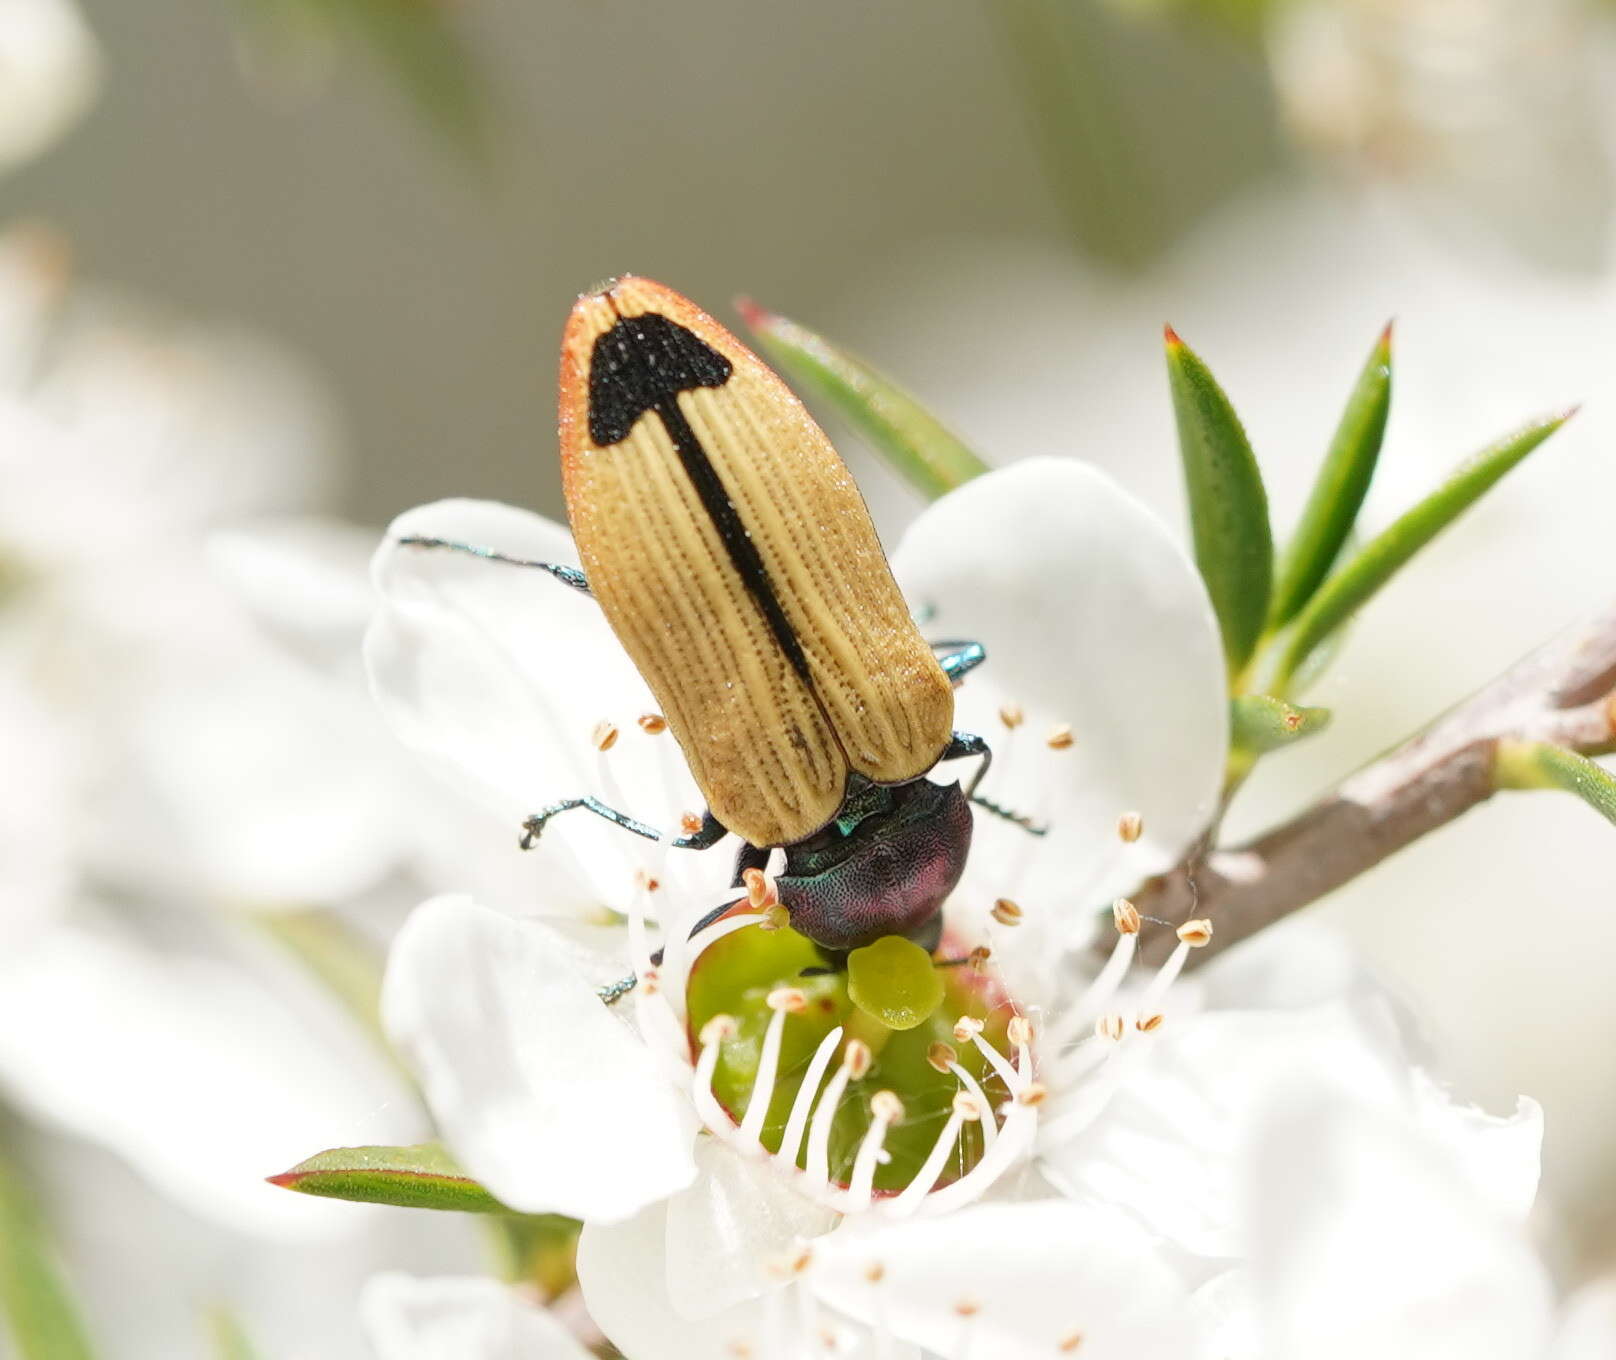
915,1017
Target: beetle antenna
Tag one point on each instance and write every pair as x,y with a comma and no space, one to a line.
568,576
1020,819
616,991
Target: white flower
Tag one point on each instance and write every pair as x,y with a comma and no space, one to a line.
1367,1237
49,70
466,1318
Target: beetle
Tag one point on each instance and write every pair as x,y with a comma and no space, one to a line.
734,558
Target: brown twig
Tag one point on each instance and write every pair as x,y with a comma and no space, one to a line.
1564,693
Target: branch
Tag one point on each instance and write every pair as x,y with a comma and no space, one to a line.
1564,693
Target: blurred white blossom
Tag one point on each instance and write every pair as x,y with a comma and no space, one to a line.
49,72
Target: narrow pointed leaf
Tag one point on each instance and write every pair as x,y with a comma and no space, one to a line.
1234,547
1379,559
419,1177
1260,723
897,426
1540,765
1339,492
36,1308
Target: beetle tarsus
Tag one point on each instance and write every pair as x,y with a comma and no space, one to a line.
709,833
568,576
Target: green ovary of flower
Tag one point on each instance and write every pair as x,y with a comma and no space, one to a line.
736,976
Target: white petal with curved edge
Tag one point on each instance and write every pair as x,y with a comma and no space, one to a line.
203,1076
452,1318
1031,1276
1093,617
1167,1146
623,1273
52,70
1366,1241
729,1228
501,675
543,1094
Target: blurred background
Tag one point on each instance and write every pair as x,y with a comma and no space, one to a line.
355,226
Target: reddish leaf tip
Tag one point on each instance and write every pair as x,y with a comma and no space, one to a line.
287,1180
1171,336
754,316
1386,333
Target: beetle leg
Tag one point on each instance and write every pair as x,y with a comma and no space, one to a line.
710,833
749,856
959,657
568,576
963,746
966,744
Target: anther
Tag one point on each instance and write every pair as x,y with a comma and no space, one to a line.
1070,1342
1012,716
1060,738
647,881
885,1106
856,1057
760,890
875,1272
967,1308
1019,1030
719,1028
978,957
1034,1093
1006,912
1109,1027
967,1106
966,1028
689,823
604,736
1130,826
789,999
1126,916
1146,1023
1195,933
941,1056
652,723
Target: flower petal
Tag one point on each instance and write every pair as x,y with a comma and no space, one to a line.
198,1073
1167,1146
729,1228
501,676
1367,1241
1588,1327
52,70
1093,617
542,1093
622,1271
1017,1279
449,1318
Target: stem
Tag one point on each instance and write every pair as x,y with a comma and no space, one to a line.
1564,694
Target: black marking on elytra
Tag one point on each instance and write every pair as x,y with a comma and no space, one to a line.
637,364
642,364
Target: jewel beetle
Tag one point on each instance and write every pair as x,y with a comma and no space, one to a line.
735,560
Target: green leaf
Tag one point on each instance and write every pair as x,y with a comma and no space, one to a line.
1540,765
34,1299
1339,492
419,1177
1379,559
1260,723
1228,505
897,426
